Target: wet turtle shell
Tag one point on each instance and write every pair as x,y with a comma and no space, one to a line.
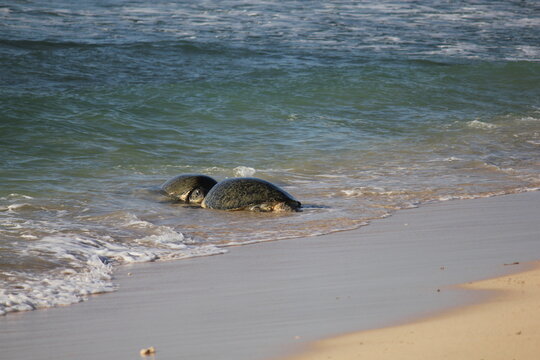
189,188
249,194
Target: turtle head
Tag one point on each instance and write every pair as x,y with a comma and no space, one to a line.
287,206
196,196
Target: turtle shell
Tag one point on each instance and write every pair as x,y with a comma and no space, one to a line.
246,193
182,187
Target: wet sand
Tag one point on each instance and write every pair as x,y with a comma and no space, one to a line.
505,327
272,299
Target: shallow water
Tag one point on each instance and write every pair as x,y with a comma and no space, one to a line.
358,109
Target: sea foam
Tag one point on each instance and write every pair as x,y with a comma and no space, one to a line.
83,263
477,124
244,171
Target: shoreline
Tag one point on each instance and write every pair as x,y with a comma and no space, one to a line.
505,326
268,300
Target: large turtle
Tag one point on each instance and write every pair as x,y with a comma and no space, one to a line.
189,188
249,194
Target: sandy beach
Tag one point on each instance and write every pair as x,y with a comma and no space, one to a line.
274,299
507,326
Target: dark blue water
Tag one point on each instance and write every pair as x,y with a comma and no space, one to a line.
358,109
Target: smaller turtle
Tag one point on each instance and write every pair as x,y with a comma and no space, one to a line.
249,194
189,188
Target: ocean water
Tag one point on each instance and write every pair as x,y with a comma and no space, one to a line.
357,108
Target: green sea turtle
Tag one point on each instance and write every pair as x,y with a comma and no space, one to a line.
189,188
249,194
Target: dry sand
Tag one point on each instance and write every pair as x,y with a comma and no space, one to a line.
268,300
504,328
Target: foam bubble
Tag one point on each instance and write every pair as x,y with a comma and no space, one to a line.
477,124
372,191
530,51
452,159
58,287
460,49
244,171
169,239
22,196
29,236
529,119
83,263
14,207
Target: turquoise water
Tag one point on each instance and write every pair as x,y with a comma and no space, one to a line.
358,109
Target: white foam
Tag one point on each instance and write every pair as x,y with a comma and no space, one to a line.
19,206
244,171
461,49
446,159
532,52
529,119
58,287
293,117
169,239
133,220
372,191
531,21
29,236
14,196
477,124
18,196
452,159
356,192
85,263
142,10
14,207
